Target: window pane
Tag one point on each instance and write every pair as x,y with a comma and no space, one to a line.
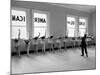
18,22
15,32
40,30
40,24
18,18
71,23
71,32
82,23
82,26
82,32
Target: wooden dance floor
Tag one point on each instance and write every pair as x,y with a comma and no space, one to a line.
65,60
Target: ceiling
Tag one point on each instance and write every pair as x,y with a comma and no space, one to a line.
85,8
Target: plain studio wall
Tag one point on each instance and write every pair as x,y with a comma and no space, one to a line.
94,22
57,16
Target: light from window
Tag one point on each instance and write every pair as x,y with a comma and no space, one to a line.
70,26
18,18
15,32
82,26
40,24
18,23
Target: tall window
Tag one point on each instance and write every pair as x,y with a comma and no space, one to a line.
40,24
71,26
18,19
82,26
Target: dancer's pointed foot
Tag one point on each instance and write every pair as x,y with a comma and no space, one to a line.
82,55
86,55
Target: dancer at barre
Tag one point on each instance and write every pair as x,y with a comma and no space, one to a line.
32,41
17,43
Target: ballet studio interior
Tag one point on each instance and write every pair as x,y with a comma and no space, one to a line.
52,37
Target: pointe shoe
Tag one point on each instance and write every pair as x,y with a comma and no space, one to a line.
86,55
82,55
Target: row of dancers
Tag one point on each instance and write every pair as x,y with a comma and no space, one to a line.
36,41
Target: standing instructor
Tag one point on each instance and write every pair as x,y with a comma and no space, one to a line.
83,46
